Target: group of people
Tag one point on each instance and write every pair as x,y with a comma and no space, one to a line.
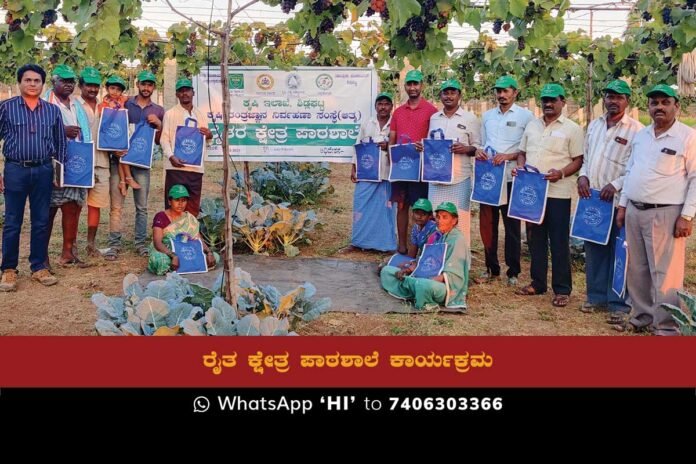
36,129
648,173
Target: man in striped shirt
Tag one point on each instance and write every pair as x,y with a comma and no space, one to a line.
33,134
607,150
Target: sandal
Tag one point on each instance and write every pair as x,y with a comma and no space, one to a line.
627,327
617,318
528,290
109,254
560,301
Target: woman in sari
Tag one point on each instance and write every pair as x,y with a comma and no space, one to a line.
450,287
168,224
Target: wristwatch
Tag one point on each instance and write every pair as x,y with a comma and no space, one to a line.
687,218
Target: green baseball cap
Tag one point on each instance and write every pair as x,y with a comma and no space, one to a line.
385,95
64,72
553,91
618,86
449,207
451,84
183,82
505,82
423,204
178,191
116,80
146,75
414,75
663,89
91,75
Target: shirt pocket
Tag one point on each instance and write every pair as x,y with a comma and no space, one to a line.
510,134
668,165
555,143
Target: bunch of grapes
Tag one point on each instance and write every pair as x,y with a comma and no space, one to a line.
647,16
384,14
667,15
326,26
611,58
506,27
49,17
287,5
590,58
521,43
666,41
667,59
369,11
644,80
259,39
497,25
320,5
277,40
442,22
191,49
563,52
616,74
152,50
392,53
270,56
312,42
378,5
356,2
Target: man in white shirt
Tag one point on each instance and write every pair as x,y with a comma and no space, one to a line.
374,215
465,129
658,203
176,173
607,151
502,128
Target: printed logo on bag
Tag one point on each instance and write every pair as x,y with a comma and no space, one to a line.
430,264
293,81
188,146
488,181
367,161
592,216
187,253
139,144
324,81
264,81
76,165
528,196
114,131
405,163
437,160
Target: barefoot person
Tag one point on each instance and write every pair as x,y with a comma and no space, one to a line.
28,149
168,224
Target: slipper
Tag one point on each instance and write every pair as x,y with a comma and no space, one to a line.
109,254
74,262
348,249
616,318
528,290
560,301
627,327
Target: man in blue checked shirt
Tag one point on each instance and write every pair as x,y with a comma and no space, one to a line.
33,134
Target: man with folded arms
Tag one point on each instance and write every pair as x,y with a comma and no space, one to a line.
33,134
607,151
658,203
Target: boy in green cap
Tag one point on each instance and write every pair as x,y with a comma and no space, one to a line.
410,121
608,147
115,99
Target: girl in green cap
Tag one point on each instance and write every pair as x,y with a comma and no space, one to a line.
114,99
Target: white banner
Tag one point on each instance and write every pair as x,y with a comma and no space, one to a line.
306,114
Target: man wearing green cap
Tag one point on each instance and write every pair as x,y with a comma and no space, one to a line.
374,216
190,177
658,203
465,129
450,287
607,151
69,200
501,129
554,145
409,124
140,108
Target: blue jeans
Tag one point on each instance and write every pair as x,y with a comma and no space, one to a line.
141,176
599,271
20,183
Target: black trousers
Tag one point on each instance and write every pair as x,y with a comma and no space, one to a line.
554,230
488,226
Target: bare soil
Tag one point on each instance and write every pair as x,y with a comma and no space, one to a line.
494,309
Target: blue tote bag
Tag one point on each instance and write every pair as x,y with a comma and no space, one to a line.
528,195
618,282
398,259
438,161
405,162
431,261
489,181
78,170
142,146
113,130
593,219
190,254
188,144
367,162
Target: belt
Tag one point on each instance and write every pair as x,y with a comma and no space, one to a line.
644,206
29,164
